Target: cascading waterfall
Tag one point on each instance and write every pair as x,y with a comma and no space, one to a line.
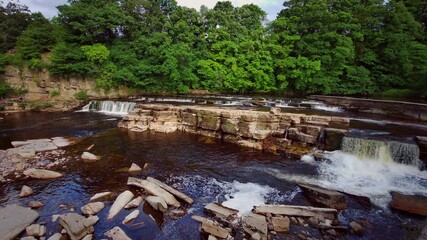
110,107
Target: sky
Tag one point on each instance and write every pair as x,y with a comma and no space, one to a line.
272,7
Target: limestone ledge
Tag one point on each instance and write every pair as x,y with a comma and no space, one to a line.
290,133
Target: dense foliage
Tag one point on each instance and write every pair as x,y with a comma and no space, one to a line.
349,47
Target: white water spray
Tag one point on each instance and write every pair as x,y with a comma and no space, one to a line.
110,107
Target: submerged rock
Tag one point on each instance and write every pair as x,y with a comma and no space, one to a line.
357,228
14,219
35,205
117,234
324,197
26,191
131,216
415,204
41,173
157,203
121,201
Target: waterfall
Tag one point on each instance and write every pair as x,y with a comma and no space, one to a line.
109,107
385,152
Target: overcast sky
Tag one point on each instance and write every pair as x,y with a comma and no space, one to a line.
47,7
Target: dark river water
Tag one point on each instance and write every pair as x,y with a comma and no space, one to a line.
206,169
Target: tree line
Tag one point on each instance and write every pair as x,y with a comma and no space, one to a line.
346,47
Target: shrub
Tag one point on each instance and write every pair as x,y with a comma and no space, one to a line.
5,89
81,95
54,93
2,107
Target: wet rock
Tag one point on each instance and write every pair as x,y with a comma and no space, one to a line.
41,173
212,227
14,219
55,217
176,214
89,157
121,201
36,230
171,190
332,139
357,228
154,189
35,146
134,168
415,204
28,238
76,225
134,203
296,211
313,222
35,205
423,235
61,142
281,224
100,196
220,211
131,216
324,197
117,234
92,208
210,237
56,236
254,224
26,191
157,203
88,237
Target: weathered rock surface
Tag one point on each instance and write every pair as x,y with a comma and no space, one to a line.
157,203
36,230
134,168
324,197
281,224
212,227
255,224
154,189
35,205
41,173
87,156
26,191
117,234
121,201
131,216
224,214
100,196
173,191
296,211
77,226
415,204
134,203
357,228
56,236
14,219
61,142
38,146
92,208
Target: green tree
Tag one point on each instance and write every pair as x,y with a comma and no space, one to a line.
14,19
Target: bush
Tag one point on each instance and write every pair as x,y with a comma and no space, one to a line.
2,107
81,95
398,93
54,93
39,105
5,89
36,64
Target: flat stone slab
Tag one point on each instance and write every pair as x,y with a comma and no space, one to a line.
41,173
36,146
76,225
14,219
324,197
415,204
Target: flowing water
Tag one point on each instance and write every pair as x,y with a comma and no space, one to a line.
209,170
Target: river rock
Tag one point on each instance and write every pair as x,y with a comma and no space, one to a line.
134,203
121,201
324,197
173,191
36,146
28,238
296,211
281,224
56,236
357,228
90,157
225,214
134,168
61,142
154,189
131,217
100,196
332,139
36,230
415,204
76,225
41,173
26,191
92,208
14,219
35,205
212,227
255,224
117,234
157,203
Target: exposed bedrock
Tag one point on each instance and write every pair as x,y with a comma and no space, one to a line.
294,134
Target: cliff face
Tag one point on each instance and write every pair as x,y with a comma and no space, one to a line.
43,86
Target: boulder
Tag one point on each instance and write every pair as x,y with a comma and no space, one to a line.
154,189
157,203
255,224
41,173
281,224
36,230
134,168
92,208
35,205
117,234
26,191
131,216
100,196
173,191
14,219
90,157
134,203
121,201
415,204
324,197
76,225
212,227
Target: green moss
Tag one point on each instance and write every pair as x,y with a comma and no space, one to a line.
82,95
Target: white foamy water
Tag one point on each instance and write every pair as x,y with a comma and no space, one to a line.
109,107
308,158
327,108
